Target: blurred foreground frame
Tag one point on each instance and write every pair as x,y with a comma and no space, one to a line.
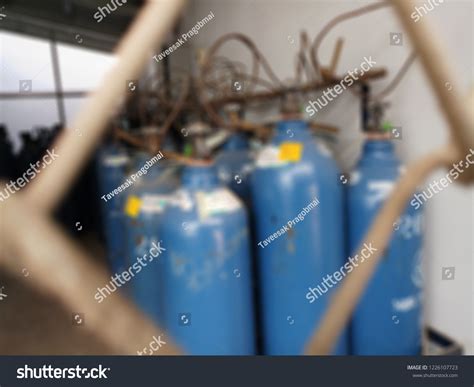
30,239
60,269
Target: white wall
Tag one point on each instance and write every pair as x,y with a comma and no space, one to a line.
449,215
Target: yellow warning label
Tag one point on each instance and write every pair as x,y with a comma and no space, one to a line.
132,207
290,151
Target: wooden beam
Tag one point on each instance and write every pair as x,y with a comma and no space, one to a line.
441,74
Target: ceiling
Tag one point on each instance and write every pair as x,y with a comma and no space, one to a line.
69,21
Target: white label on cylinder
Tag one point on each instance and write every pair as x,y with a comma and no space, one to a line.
269,157
216,202
154,203
115,160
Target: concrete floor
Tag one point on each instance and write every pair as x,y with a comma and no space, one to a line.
32,324
35,324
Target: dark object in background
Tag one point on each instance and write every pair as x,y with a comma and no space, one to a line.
79,212
438,344
7,158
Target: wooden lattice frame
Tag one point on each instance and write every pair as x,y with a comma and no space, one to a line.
61,268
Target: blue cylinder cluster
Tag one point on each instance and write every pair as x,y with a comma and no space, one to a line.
252,247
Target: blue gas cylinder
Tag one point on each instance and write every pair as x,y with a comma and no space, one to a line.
234,164
387,320
153,181
298,209
112,163
207,280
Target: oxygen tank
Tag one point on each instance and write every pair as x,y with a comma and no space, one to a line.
298,209
207,276
112,163
152,181
234,163
387,320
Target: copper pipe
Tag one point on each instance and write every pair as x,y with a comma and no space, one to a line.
309,87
